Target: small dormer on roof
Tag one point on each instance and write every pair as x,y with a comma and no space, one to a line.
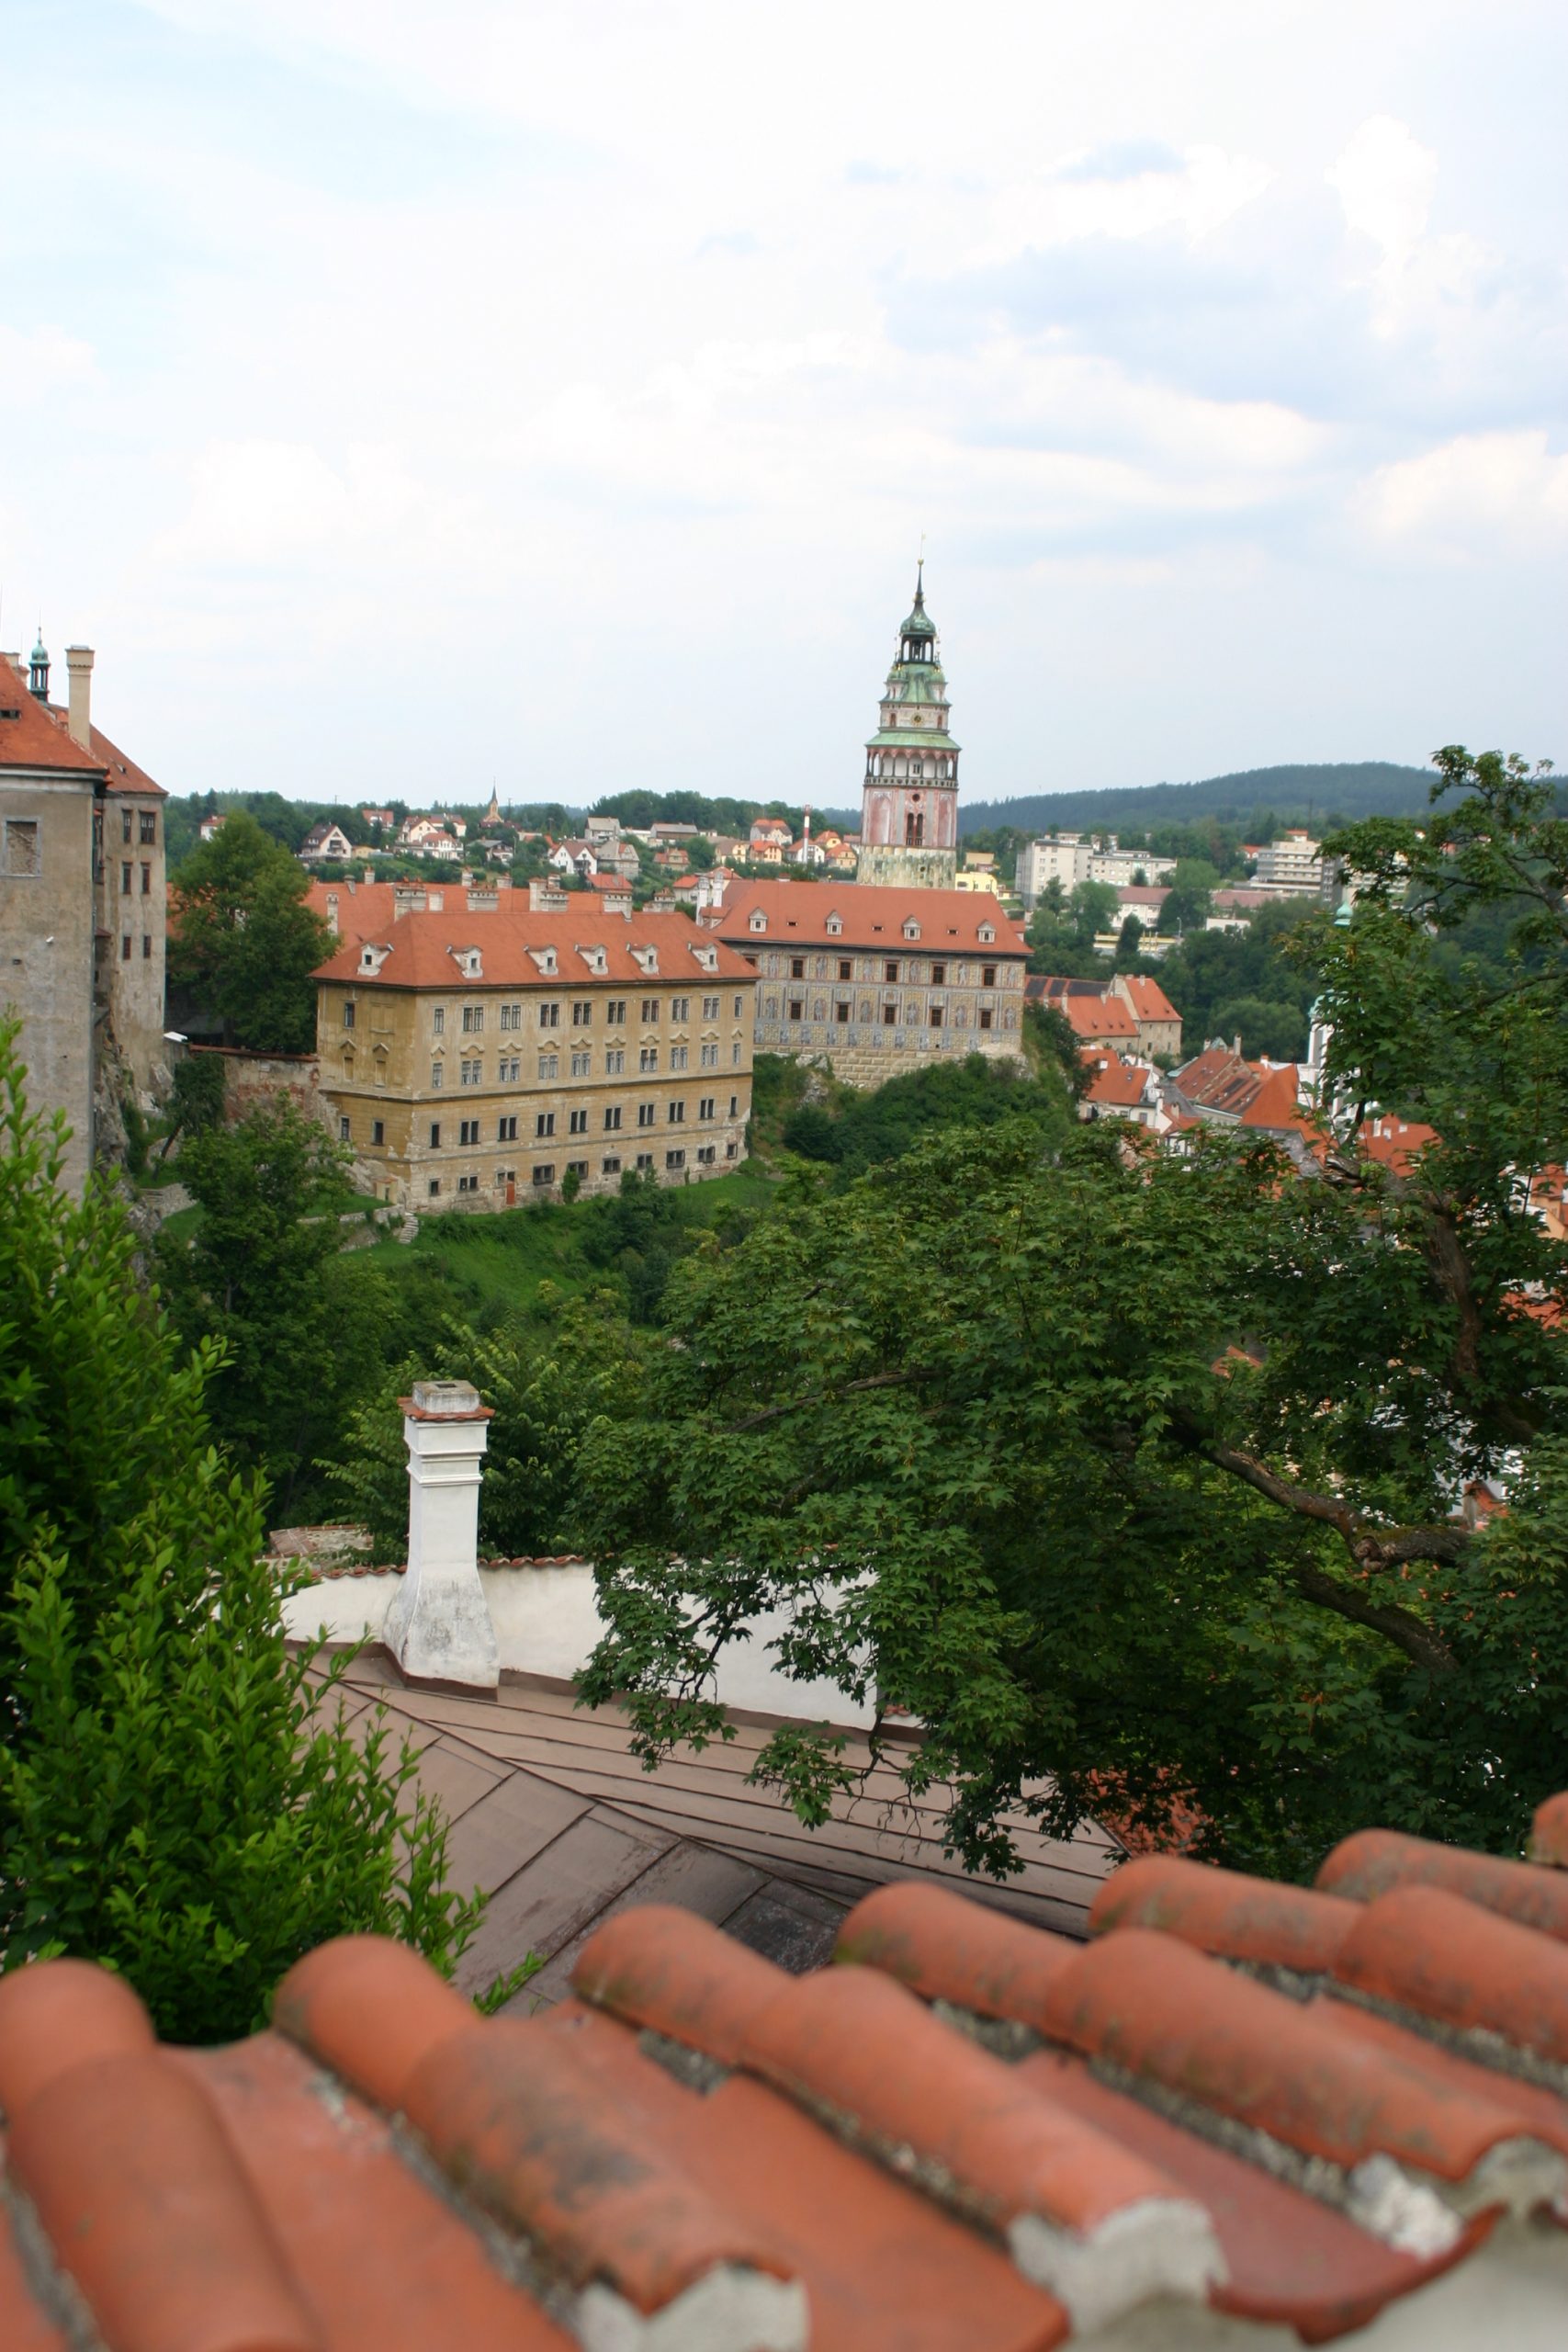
911,928
986,933
372,955
594,957
646,960
759,920
835,925
469,962
545,958
706,956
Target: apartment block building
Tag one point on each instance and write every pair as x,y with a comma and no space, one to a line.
1072,858
1294,861
474,1059
876,979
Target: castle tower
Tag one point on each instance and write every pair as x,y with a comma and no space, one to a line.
909,820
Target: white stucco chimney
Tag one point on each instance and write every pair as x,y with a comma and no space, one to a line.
78,712
438,1627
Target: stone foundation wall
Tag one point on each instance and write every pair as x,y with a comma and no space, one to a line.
249,1078
869,1067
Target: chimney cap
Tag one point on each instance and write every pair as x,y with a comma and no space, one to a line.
444,1400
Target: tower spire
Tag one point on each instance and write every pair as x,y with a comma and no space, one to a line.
910,821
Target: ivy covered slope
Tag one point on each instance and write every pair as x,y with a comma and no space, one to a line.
1137,1479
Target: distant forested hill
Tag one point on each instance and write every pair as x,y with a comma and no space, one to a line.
1292,795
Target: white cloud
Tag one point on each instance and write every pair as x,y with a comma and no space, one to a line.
1482,493
42,360
1385,179
271,502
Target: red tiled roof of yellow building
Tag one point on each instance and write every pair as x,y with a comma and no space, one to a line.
422,949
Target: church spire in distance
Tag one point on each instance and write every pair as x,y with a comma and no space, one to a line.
909,820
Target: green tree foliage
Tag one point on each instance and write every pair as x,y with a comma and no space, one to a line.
302,1327
243,944
1061,929
1142,1474
170,1804
547,1381
858,1130
1214,975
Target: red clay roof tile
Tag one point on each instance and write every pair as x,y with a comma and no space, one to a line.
1221,1912
1290,2259
948,1949
388,2261
1375,1860
29,2328
387,2173
885,2266
672,1972
70,2014
508,2112
1146,2003
1434,1953
133,2179
371,2010
1548,1833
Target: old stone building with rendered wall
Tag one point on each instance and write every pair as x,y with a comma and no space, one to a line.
83,904
877,980
477,1057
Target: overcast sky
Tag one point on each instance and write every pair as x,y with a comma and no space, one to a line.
402,396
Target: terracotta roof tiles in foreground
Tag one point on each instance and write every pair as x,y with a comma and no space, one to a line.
1242,2111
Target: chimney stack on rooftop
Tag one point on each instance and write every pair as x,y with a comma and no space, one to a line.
438,1627
78,714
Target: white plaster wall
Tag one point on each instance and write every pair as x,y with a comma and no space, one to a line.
547,1621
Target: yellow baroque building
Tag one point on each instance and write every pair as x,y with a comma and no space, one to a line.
476,1058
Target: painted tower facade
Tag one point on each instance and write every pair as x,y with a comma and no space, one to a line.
909,820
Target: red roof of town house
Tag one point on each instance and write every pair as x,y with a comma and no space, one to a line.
422,949
1274,1104
1099,1017
872,919
1150,1002
1243,2107
1394,1144
1115,1085
1218,1079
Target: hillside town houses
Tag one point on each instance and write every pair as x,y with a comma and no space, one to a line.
583,1032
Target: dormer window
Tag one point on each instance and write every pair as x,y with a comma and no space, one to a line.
594,957
835,925
467,962
544,959
372,957
912,929
986,933
759,920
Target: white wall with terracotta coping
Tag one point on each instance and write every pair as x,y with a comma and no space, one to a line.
547,1621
